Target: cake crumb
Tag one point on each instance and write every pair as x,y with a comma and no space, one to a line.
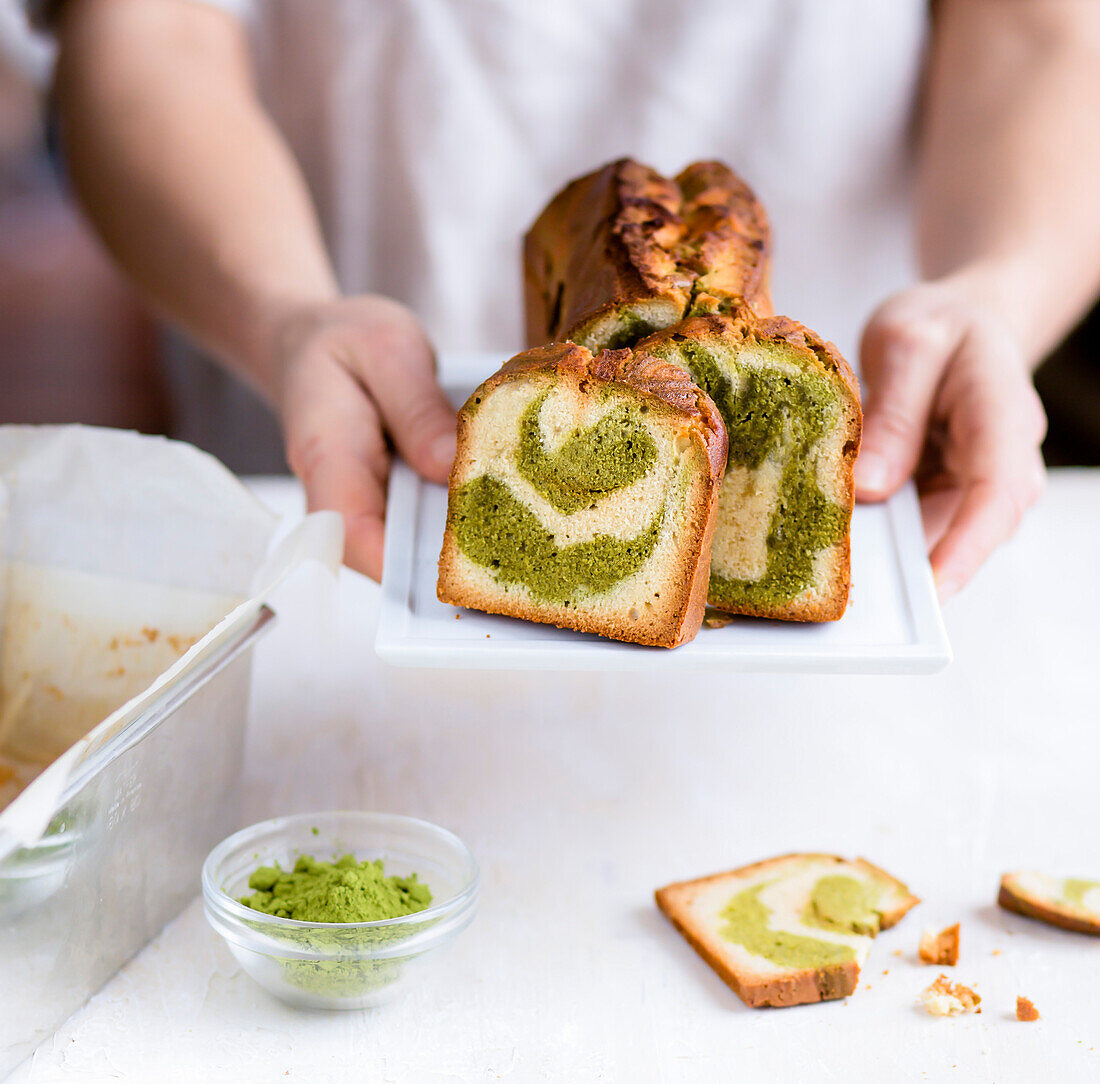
944,998
1025,1010
897,952
715,619
940,948
995,952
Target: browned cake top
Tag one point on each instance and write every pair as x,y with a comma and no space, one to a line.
654,377
726,235
748,329
640,370
626,233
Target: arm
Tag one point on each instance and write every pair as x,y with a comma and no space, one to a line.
199,199
1009,244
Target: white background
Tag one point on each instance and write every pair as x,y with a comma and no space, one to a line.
582,793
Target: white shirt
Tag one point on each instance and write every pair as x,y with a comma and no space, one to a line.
431,132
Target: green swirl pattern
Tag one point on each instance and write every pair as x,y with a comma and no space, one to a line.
590,463
497,531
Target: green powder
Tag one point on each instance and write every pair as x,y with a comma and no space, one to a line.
495,530
746,924
342,891
770,412
612,454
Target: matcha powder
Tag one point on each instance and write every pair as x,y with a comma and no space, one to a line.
340,891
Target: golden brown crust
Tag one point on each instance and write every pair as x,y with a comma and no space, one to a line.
727,236
1014,898
810,985
627,236
667,387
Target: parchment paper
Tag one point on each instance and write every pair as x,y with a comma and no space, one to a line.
125,560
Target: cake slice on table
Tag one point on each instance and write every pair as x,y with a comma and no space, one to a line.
791,408
583,495
622,252
1070,902
789,930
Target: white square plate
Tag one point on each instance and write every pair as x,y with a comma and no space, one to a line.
892,626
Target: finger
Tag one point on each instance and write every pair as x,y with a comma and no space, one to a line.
993,449
340,483
988,513
902,359
400,377
938,505
335,445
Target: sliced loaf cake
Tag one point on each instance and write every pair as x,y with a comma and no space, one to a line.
678,268
583,495
789,930
1070,902
791,409
622,252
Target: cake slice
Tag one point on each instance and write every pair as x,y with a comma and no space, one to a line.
789,930
583,494
623,251
1070,902
790,404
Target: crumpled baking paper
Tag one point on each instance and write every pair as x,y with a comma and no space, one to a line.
124,561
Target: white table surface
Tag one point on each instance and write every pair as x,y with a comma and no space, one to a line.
581,793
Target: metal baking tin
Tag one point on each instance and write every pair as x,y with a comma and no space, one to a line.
125,846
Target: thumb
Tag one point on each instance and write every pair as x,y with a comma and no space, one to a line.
902,361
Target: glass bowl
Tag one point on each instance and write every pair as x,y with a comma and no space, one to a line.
339,965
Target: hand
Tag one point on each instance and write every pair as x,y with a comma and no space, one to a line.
349,373
949,399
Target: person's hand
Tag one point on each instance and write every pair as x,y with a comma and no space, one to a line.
949,398
351,373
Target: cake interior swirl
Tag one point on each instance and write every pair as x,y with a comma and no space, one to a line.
592,487
583,495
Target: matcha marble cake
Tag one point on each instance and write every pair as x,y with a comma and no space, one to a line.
583,494
790,405
678,268
1070,902
789,930
624,251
